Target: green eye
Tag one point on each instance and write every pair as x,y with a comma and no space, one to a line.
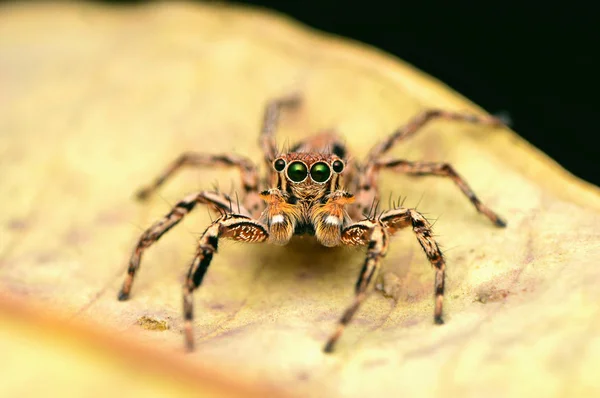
297,171
320,172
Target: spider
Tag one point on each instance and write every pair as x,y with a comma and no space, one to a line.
310,194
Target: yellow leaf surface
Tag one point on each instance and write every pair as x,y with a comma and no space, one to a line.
95,101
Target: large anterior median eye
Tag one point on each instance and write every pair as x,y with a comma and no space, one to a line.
297,171
320,172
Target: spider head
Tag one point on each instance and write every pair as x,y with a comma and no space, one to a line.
308,175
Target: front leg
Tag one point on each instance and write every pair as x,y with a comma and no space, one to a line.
232,226
373,234
376,234
214,200
396,219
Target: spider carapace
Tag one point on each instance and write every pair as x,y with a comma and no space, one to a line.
315,189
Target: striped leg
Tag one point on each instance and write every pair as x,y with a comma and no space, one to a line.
414,125
270,121
214,200
366,191
232,226
248,172
396,219
374,235
442,170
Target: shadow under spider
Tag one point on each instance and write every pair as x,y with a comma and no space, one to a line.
305,258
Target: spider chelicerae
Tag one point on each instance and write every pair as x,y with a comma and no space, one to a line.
314,190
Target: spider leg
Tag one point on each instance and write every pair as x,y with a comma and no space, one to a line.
248,172
373,234
395,219
376,235
366,185
215,200
415,124
442,170
269,126
366,192
232,226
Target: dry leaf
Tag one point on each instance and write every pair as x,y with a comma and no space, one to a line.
95,101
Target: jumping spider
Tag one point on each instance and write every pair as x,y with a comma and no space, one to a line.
310,193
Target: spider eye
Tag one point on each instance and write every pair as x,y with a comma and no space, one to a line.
320,172
338,166
279,164
297,171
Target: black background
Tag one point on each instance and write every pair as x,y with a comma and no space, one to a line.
537,62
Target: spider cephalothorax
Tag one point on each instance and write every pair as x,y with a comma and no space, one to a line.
314,190
306,198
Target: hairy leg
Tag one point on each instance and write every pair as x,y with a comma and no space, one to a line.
442,170
269,126
247,169
366,190
214,200
396,219
416,123
373,234
231,226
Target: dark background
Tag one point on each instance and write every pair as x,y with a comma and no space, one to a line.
534,61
